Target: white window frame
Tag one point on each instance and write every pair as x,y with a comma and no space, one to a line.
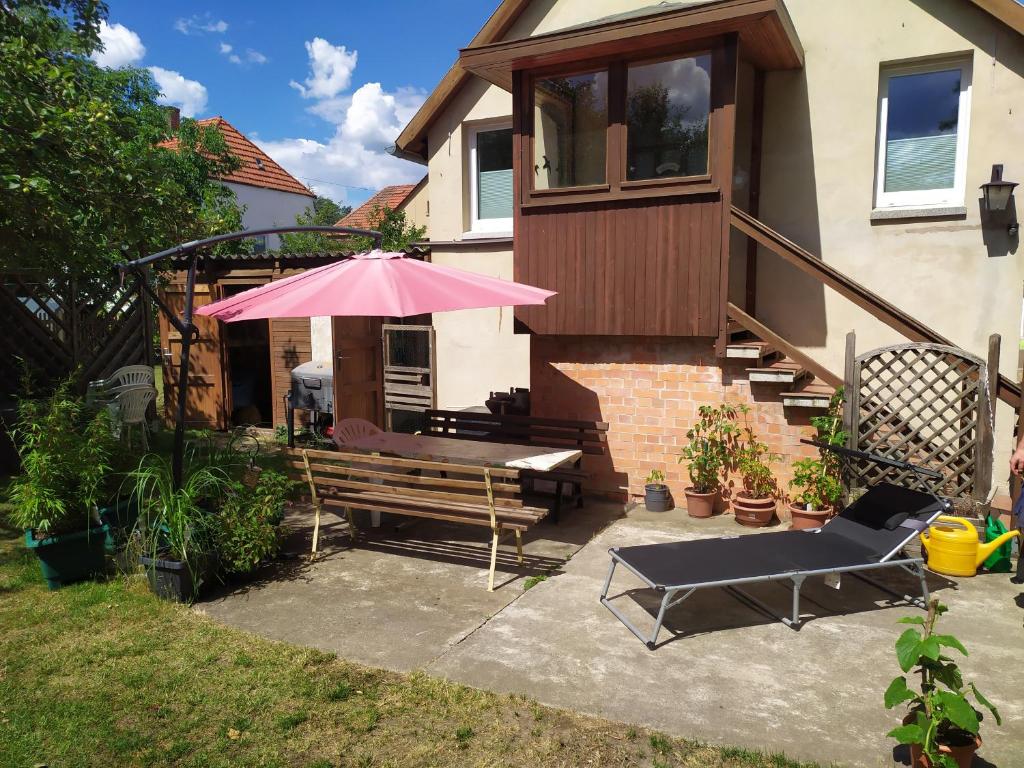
479,226
924,198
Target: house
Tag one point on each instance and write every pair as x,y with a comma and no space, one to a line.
686,172
269,194
410,198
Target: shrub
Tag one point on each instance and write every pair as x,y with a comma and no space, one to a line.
821,479
710,442
66,452
247,531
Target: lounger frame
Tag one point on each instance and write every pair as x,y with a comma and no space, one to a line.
913,565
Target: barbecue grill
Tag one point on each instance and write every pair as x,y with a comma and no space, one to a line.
312,390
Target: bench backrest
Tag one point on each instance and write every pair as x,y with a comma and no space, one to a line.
483,495
586,436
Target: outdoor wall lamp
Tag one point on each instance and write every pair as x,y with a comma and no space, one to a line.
997,195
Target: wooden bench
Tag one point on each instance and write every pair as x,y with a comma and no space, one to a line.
483,496
589,437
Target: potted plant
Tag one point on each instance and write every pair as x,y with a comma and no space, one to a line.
754,505
176,526
657,497
65,451
941,726
706,453
819,481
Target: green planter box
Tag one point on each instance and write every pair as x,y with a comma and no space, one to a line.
70,557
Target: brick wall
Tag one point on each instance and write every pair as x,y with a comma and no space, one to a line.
648,390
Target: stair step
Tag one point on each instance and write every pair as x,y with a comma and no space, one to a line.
814,394
782,371
749,350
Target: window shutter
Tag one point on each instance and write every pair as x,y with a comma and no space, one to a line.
495,190
926,162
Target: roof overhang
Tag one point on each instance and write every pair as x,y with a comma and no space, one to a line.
766,34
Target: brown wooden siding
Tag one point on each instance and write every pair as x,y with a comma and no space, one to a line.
290,345
644,267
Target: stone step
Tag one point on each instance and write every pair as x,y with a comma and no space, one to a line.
753,349
782,371
813,394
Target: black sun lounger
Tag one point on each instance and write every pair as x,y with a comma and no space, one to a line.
868,535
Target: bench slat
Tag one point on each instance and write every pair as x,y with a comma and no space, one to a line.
525,515
600,426
440,482
484,522
437,466
427,496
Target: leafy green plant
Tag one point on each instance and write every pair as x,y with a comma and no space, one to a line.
820,481
940,712
655,477
710,442
66,452
752,459
246,526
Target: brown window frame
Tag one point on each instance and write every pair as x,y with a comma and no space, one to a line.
616,186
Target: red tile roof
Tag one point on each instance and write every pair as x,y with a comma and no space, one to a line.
258,169
390,197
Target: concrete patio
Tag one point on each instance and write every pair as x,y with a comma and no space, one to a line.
415,598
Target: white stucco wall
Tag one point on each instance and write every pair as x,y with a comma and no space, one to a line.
268,208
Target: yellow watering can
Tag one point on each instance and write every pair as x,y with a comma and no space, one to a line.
954,549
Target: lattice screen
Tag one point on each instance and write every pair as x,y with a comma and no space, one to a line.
928,404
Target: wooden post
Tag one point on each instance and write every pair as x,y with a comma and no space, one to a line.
495,530
754,201
851,398
986,412
316,504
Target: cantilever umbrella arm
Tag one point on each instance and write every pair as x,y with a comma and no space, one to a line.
184,324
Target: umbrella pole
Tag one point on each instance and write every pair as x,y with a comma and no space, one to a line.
190,331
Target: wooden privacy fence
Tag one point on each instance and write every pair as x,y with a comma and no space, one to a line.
56,325
929,404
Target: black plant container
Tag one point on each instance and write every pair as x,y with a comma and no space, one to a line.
174,580
658,498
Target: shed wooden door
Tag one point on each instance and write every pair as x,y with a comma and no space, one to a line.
205,407
358,384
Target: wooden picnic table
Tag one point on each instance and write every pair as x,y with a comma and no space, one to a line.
450,450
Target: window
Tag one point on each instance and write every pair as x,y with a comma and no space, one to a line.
667,108
259,244
490,157
569,130
922,135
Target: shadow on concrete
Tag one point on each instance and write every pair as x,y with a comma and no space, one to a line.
705,611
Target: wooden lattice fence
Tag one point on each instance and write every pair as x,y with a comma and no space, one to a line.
929,404
58,326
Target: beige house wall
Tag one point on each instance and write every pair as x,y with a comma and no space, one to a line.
818,175
416,206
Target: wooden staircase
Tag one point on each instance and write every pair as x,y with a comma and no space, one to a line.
767,364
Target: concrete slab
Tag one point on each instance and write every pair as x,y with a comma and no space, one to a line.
734,676
400,597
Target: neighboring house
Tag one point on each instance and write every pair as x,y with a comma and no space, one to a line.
620,153
410,198
269,194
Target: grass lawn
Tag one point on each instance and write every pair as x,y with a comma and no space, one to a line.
103,674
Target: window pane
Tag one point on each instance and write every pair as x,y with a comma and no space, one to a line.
494,174
667,108
570,127
921,131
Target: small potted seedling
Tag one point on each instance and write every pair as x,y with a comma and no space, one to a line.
942,724
819,481
706,454
657,497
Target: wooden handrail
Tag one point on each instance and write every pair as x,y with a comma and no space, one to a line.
763,332
871,302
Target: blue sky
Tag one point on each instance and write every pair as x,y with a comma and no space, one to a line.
322,86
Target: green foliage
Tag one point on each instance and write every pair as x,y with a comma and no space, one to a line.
533,581
710,443
398,233
84,182
66,453
820,480
247,532
753,460
324,212
655,477
941,713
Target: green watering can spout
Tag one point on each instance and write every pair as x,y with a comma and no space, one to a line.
984,550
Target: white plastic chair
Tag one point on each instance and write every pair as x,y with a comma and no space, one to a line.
132,404
131,374
347,431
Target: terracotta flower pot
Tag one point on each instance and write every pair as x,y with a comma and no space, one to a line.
804,518
754,511
963,756
700,504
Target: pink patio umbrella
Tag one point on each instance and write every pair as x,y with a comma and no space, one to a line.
374,284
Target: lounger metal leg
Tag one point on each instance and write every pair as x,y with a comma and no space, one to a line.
925,597
798,582
667,602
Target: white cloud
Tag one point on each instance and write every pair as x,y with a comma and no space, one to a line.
330,67
121,46
255,57
197,25
188,95
226,48
251,56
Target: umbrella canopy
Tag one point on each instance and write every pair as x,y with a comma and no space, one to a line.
374,284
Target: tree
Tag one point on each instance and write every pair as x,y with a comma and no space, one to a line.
84,182
398,233
324,212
